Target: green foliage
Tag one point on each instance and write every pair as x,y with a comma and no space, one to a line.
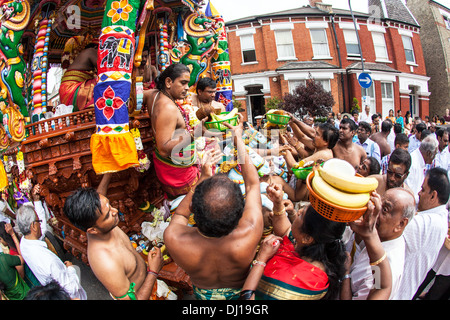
273,103
310,98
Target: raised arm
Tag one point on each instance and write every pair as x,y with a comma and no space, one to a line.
366,229
253,207
280,221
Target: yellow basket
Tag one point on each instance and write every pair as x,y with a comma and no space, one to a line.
330,210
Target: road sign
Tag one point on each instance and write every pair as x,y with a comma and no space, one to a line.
365,80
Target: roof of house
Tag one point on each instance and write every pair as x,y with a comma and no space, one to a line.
301,65
387,9
393,10
305,10
372,66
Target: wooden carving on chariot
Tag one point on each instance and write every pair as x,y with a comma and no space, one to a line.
103,125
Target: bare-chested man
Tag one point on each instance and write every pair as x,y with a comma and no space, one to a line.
206,92
174,157
114,261
381,137
79,80
345,148
218,252
397,172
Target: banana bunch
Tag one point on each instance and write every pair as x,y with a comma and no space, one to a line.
348,191
220,117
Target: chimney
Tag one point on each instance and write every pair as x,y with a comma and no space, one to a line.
324,7
312,3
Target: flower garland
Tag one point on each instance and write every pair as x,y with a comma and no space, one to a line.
24,182
144,162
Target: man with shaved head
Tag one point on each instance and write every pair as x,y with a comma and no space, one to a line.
218,251
398,209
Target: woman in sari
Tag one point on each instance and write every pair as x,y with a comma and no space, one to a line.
14,287
302,261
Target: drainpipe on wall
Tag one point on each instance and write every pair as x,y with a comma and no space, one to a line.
340,61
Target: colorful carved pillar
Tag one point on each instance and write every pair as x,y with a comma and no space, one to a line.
39,67
15,17
112,146
220,61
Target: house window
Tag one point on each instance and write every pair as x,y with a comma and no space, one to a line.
371,93
319,43
409,50
387,98
447,22
248,48
351,43
295,83
285,44
379,44
386,90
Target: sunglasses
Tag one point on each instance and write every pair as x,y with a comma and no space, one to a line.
397,175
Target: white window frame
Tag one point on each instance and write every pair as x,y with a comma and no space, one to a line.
371,94
387,101
409,41
381,46
347,34
248,35
313,42
446,22
295,83
277,33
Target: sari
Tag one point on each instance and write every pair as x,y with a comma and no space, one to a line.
289,277
77,89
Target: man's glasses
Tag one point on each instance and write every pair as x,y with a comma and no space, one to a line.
397,175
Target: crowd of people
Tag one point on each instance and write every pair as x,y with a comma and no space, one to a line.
255,235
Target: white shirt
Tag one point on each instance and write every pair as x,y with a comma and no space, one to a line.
46,266
362,280
391,139
424,236
372,149
364,117
442,159
416,174
40,211
414,143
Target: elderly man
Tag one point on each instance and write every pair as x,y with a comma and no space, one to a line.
396,173
217,254
398,208
426,233
371,148
421,160
44,264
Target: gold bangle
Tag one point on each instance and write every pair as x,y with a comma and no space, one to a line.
373,264
280,213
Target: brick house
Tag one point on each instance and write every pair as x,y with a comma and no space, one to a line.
271,54
434,19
